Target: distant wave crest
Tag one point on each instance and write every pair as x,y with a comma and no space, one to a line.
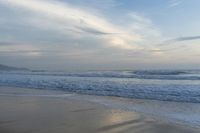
141,74
159,72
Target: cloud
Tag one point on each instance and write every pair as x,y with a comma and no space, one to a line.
180,39
188,38
71,33
75,22
100,4
6,43
174,3
22,49
93,31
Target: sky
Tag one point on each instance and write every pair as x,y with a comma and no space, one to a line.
100,34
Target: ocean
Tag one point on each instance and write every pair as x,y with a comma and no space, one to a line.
163,85
173,95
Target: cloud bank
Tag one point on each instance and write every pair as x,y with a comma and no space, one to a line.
78,23
73,34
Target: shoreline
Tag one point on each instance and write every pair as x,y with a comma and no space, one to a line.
50,112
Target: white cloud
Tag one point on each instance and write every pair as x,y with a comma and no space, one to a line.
78,23
70,34
174,3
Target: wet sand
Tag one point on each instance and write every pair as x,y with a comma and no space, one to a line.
36,111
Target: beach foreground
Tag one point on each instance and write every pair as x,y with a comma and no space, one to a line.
37,111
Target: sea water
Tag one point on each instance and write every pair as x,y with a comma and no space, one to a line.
171,94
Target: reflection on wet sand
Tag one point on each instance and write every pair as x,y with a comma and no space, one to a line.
64,115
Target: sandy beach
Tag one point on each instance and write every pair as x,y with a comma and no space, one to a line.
38,111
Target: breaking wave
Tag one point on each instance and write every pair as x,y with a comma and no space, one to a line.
165,85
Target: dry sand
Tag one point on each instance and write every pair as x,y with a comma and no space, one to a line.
46,114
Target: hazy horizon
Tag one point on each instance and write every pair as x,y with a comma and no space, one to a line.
100,35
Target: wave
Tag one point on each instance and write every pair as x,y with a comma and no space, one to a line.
165,90
141,74
160,72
